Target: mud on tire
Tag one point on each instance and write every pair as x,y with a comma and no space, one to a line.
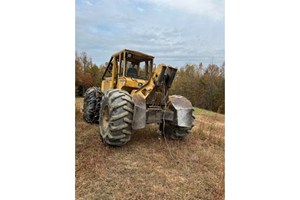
116,113
91,106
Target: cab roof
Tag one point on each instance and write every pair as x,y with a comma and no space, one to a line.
137,53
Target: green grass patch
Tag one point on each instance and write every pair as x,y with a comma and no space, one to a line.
200,111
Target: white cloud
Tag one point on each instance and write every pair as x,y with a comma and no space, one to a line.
172,35
211,8
88,2
140,9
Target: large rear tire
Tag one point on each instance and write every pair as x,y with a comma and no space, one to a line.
91,105
116,113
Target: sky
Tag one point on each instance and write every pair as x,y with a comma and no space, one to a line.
176,32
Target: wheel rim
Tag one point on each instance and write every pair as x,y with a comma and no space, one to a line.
105,119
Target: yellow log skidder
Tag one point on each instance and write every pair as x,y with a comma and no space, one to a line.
132,95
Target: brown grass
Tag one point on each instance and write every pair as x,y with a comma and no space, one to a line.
150,167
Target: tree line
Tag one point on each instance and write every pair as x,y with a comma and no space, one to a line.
203,86
87,74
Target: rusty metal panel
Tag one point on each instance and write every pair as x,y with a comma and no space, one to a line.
157,114
154,115
139,113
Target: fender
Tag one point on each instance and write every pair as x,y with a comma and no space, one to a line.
182,109
139,112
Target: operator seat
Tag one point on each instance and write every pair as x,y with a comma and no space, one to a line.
132,72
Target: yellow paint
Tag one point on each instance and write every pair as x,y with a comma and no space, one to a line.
148,87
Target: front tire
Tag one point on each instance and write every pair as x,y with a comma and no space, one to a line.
116,113
171,129
175,132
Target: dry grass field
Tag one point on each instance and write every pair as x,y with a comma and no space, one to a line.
150,166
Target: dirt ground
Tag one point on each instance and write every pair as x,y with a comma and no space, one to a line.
150,166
